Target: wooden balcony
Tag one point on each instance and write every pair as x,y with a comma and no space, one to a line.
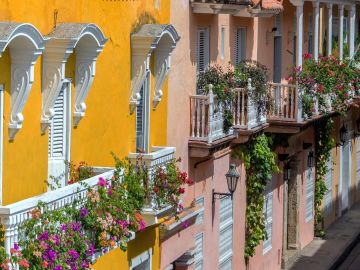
207,119
233,7
286,114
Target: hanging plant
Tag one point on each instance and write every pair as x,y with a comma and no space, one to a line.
258,73
260,164
324,144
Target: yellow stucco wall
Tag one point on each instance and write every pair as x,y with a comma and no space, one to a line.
107,126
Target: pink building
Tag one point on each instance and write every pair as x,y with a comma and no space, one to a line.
276,34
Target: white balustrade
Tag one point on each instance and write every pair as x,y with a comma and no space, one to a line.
11,216
206,118
284,98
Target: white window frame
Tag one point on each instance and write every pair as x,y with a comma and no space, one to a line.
142,258
1,137
267,243
199,256
241,46
224,226
206,30
68,124
309,194
146,114
200,201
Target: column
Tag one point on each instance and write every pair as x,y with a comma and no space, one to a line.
329,29
316,6
341,31
299,4
352,31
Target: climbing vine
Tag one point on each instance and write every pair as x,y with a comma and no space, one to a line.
260,163
323,146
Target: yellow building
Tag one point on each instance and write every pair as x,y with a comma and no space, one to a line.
80,80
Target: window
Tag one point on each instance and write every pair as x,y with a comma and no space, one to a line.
226,233
268,215
358,163
59,137
222,43
199,246
142,118
240,45
329,184
309,195
200,216
142,262
203,49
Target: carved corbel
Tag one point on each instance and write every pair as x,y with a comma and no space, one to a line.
55,56
22,77
140,68
161,69
85,73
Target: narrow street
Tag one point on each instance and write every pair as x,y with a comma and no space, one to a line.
352,261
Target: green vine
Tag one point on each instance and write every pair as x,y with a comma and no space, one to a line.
260,163
323,146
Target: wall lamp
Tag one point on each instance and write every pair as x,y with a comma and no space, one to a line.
287,171
357,133
311,160
343,134
232,178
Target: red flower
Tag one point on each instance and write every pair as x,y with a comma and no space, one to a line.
181,190
227,90
307,56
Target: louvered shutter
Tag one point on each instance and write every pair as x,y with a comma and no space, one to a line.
240,45
140,110
203,49
200,216
268,215
226,233
57,129
329,184
198,257
309,195
358,163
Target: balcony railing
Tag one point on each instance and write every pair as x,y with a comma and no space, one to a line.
285,103
245,113
207,120
11,216
159,156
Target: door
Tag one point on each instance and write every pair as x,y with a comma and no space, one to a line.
142,118
59,138
345,175
277,50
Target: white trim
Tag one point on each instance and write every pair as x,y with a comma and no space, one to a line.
142,258
222,42
1,137
309,193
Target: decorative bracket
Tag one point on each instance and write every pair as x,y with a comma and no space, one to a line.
25,44
162,39
88,41
55,56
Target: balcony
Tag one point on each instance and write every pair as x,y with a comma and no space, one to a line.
286,114
207,119
233,7
11,216
159,156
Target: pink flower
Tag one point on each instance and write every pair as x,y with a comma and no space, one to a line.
101,182
307,56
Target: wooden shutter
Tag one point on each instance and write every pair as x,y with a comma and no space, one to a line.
240,45
140,110
199,245
57,129
309,195
226,233
200,216
268,215
329,184
203,49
